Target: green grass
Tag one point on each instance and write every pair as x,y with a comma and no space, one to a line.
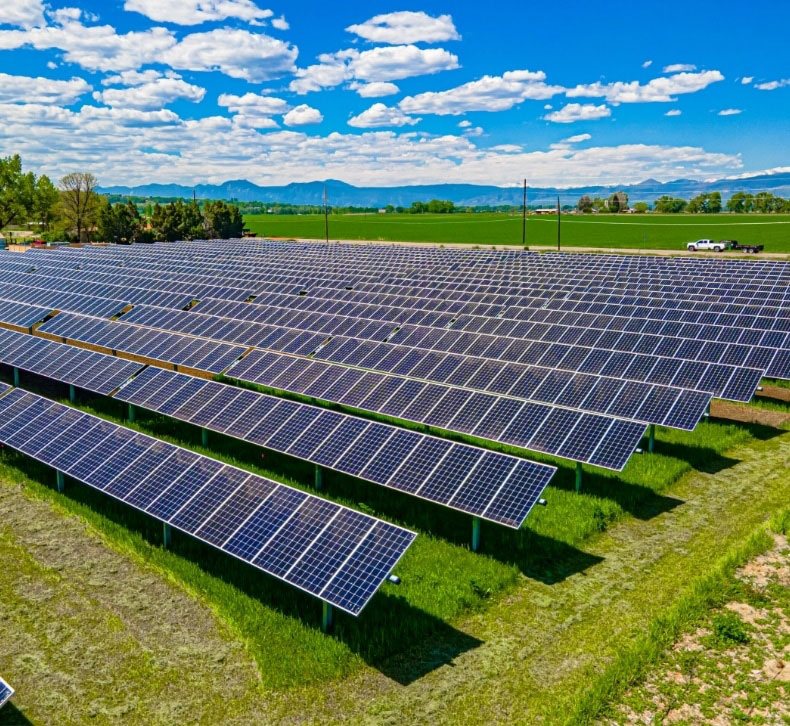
442,580
701,605
664,232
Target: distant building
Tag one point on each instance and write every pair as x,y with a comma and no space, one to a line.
545,210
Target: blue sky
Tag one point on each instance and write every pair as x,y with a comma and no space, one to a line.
379,93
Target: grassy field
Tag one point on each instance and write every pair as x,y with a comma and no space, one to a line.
664,232
410,635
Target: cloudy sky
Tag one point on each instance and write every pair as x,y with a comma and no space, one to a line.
376,93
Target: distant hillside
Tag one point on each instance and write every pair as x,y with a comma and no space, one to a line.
342,194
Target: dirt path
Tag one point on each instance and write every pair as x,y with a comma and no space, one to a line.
90,636
680,252
545,641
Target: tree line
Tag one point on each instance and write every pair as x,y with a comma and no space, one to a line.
73,210
705,203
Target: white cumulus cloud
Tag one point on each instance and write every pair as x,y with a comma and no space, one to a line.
576,138
24,89
572,112
302,115
379,115
647,64
730,112
253,110
22,13
375,65
679,67
374,90
489,93
152,95
280,23
673,112
659,89
194,12
746,80
406,27
772,85
254,57
95,47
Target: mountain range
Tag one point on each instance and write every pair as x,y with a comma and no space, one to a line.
342,194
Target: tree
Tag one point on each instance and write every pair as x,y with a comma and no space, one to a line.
79,202
120,223
585,204
599,204
669,205
192,221
222,221
17,191
705,203
618,202
737,202
45,199
640,207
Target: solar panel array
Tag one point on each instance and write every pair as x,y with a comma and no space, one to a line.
5,692
586,349
327,550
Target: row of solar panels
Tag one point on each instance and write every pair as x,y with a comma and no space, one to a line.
330,551
494,486
625,394
558,431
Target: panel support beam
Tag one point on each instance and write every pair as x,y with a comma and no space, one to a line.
166,535
204,437
475,534
651,437
319,477
707,411
61,480
578,476
327,617
72,393
130,412
16,377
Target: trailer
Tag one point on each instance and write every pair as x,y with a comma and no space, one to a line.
733,244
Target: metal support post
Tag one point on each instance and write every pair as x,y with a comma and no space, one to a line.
61,480
72,393
707,411
130,412
166,535
204,437
578,476
16,377
475,534
327,618
651,437
319,477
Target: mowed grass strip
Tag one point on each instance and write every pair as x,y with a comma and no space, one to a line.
629,231
442,579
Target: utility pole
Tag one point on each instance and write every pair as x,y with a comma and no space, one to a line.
326,217
524,217
558,224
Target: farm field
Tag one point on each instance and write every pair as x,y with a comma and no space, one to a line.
660,232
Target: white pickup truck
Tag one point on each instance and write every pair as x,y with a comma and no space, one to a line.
706,244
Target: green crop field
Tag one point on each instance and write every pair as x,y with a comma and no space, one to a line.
661,232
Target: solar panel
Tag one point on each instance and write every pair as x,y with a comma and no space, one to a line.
5,692
308,542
